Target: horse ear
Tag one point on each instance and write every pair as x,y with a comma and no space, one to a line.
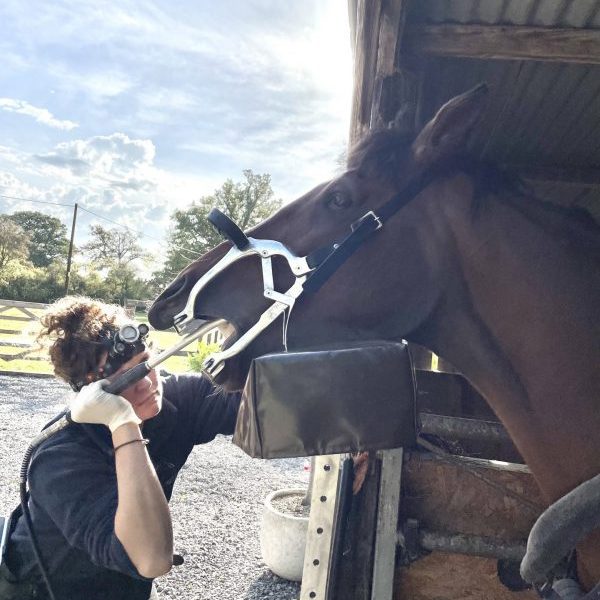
447,132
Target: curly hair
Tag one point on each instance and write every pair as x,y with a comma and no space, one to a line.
72,327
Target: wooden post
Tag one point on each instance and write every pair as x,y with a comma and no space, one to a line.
386,536
69,256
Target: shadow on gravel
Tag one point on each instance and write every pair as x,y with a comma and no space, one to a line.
269,585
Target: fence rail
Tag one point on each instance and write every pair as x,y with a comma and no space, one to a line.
23,316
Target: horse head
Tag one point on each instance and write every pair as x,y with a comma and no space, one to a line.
387,289
506,290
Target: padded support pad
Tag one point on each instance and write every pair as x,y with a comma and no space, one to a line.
328,401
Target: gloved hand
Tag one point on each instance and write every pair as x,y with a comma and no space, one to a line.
93,405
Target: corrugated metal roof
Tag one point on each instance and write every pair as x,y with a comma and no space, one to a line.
540,113
542,13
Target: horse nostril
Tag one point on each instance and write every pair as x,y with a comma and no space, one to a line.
175,289
171,301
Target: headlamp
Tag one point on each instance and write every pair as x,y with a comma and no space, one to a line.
124,344
121,345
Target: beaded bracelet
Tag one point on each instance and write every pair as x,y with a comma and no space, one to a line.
143,441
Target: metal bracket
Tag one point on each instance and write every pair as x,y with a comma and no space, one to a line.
321,527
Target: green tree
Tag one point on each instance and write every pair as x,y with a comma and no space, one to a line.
247,202
113,247
196,359
14,242
48,237
32,284
114,252
121,282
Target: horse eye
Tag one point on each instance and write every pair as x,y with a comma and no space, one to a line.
339,200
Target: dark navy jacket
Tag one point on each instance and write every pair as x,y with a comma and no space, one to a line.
73,486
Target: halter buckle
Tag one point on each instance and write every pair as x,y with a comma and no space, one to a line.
360,221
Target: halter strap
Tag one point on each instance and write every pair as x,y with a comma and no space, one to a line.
328,259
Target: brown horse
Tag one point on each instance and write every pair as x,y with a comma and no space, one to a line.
504,286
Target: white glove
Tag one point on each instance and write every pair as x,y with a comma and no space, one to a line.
93,405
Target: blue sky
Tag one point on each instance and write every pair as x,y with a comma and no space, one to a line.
135,108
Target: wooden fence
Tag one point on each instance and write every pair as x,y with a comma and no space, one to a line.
17,319
19,323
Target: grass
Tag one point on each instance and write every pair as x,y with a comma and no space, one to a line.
26,366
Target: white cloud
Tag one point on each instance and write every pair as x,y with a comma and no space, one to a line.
112,176
99,84
115,160
13,188
265,86
41,115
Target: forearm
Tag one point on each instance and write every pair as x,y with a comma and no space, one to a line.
142,521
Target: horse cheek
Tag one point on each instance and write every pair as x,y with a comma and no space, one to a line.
385,290
411,286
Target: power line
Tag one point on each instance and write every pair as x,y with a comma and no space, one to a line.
120,225
37,201
161,243
86,210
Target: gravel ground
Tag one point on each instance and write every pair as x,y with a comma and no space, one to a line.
216,505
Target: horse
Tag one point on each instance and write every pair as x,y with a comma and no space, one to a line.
501,284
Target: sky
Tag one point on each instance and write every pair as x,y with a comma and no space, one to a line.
138,107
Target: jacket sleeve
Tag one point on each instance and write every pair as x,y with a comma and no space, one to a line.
77,488
207,410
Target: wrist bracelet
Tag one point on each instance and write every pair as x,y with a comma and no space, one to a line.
143,441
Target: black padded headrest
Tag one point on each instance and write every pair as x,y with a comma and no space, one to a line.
328,401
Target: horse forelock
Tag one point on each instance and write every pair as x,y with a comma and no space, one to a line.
380,153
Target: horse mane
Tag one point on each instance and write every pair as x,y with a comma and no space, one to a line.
383,153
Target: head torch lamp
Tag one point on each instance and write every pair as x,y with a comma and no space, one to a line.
123,345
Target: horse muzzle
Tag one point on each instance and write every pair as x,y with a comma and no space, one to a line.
282,302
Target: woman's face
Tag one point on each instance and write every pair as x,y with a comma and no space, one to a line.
146,394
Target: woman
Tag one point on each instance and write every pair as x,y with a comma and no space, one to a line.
99,488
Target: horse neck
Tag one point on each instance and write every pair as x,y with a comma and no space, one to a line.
519,320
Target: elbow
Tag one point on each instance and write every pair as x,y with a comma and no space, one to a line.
156,567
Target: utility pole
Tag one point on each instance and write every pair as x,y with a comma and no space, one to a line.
70,249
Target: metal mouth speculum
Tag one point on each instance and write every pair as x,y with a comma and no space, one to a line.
244,246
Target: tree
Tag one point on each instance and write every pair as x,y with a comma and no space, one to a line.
121,283
48,237
32,284
14,242
113,247
247,202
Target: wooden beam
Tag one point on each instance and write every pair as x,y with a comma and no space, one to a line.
505,42
376,29
446,496
365,59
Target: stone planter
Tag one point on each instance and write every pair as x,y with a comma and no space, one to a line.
283,535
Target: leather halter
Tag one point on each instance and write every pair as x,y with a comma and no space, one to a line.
310,272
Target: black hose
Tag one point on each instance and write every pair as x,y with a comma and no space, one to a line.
58,423
560,528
